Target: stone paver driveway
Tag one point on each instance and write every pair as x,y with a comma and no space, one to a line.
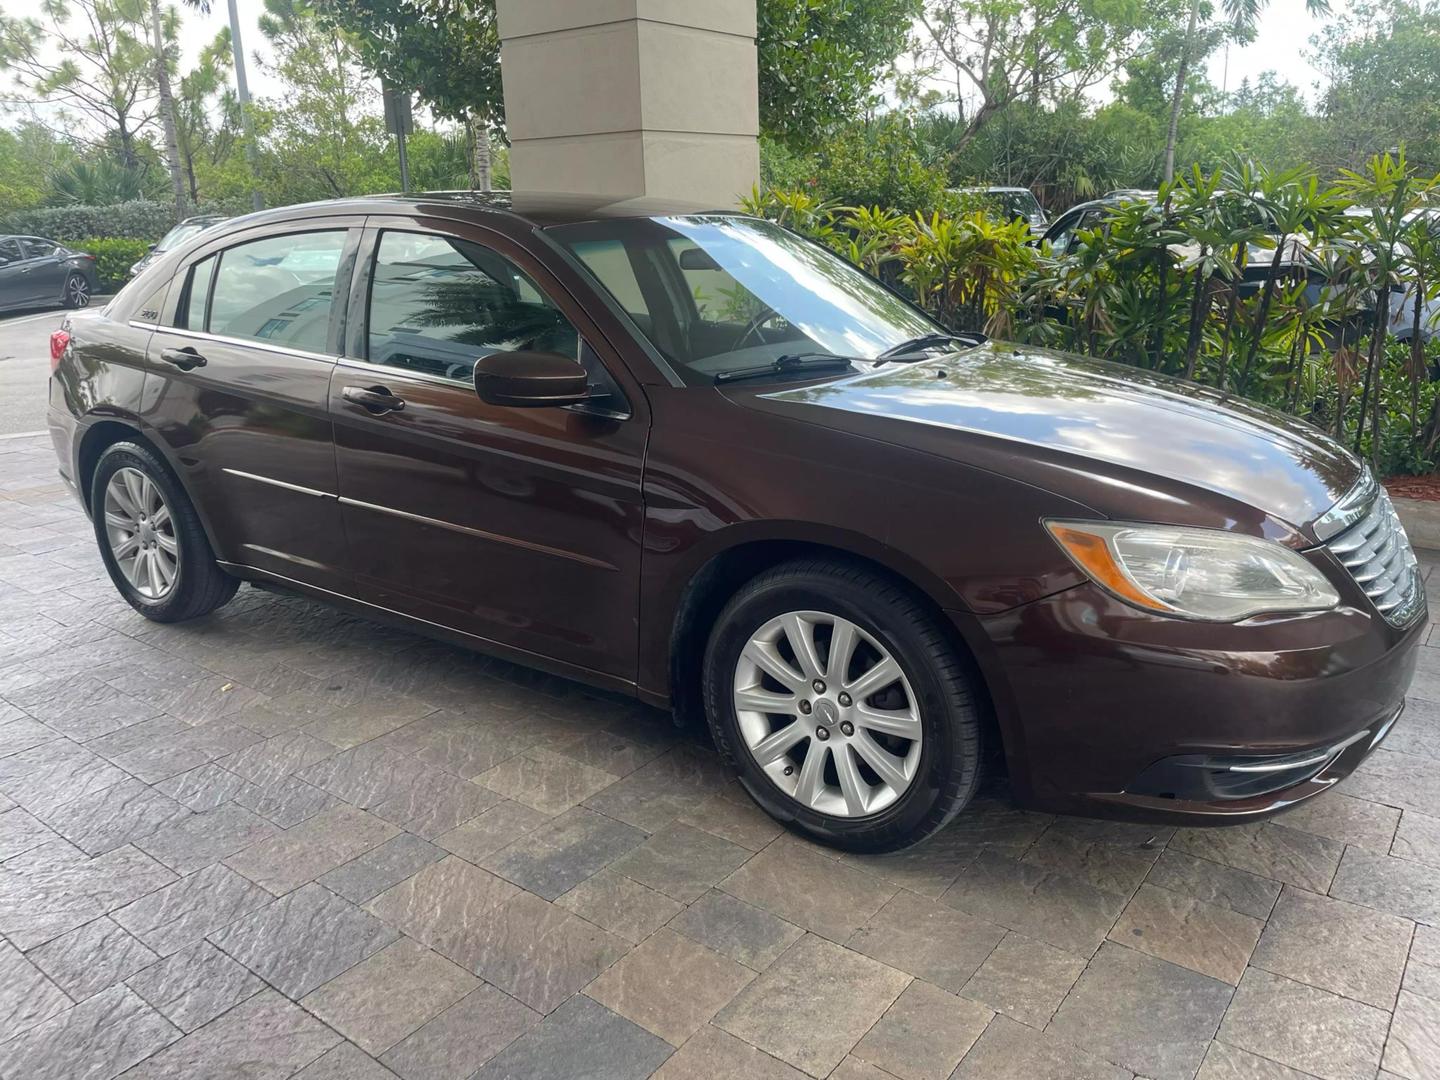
285,842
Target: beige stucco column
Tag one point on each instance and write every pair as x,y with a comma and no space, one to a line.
632,99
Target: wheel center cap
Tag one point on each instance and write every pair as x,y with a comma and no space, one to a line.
826,713
147,532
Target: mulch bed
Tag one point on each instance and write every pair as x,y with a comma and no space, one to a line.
1415,487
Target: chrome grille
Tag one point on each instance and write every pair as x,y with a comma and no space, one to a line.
1378,555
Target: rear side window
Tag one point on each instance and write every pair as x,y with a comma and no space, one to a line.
278,290
437,305
9,252
190,311
38,249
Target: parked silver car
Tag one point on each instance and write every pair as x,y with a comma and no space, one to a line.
191,226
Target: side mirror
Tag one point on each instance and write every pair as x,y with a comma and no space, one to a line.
530,380
152,247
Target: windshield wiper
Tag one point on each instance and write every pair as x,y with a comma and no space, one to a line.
930,341
787,363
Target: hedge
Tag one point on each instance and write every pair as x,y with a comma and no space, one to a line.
114,255
143,219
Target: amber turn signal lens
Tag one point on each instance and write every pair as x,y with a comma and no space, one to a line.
1093,555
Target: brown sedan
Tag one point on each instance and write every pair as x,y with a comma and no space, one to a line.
701,460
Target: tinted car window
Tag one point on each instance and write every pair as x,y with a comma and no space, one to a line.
9,252
38,249
610,262
437,305
190,311
277,290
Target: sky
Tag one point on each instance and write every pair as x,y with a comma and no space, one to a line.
197,31
1281,45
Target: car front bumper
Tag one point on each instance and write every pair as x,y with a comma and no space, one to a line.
1109,711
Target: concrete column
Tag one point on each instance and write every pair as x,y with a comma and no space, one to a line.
632,99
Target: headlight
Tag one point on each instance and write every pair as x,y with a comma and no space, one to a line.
1193,573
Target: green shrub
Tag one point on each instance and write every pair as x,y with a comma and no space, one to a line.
146,220
879,165
114,255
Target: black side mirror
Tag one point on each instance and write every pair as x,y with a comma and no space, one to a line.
529,380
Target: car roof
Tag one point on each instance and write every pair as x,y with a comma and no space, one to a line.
542,209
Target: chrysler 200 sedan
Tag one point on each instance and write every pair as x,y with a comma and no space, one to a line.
701,460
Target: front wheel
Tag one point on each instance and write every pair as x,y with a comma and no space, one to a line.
842,706
151,539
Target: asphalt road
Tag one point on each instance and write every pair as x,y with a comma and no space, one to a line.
25,369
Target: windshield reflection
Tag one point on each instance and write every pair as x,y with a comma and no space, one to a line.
720,292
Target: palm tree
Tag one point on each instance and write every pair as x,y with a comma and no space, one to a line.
167,102
167,98
1242,16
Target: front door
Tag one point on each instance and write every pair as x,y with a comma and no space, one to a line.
17,287
521,526
238,385
46,270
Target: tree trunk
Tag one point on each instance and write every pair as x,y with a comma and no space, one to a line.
1262,315
1178,98
1201,302
167,111
477,130
1374,362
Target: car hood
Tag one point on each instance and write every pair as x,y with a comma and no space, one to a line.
1125,441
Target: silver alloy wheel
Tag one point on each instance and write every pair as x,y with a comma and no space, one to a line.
141,533
77,291
826,711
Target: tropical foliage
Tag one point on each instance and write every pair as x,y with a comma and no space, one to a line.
1267,284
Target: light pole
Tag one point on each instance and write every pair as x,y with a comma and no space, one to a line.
242,90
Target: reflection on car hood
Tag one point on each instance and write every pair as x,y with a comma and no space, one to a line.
1067,405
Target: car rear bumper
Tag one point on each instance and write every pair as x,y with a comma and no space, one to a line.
1108,711
62,427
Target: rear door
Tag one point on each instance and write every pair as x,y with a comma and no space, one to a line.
518,525
238,382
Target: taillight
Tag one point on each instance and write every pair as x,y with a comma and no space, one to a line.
59,342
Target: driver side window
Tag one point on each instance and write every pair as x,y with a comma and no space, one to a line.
438,304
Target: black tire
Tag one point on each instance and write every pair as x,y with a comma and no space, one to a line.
77,291
200,586
949,769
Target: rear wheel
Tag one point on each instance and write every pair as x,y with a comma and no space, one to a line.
77,291
151,540
842,706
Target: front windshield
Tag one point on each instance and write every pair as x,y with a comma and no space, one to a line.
179,234
717,293
1023,204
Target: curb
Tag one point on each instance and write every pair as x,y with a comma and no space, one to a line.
1421,518
23,435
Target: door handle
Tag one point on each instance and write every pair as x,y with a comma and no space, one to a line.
373,399
184,359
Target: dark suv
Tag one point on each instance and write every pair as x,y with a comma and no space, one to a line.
699,459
